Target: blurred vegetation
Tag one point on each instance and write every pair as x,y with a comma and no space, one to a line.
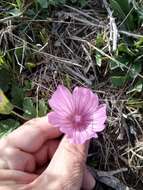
129,18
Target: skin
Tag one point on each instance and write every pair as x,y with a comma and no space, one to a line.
36,157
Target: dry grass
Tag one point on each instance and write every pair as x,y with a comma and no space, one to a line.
63,59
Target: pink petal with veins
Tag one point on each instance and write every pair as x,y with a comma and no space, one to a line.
78,115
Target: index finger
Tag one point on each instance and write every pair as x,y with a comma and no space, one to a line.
33,134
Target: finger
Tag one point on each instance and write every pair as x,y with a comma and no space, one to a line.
16,176
68,164
88,182
15,159
33,134
46,152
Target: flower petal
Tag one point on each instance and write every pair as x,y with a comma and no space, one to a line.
62,101
67,130
99,118
60,122
80,137
85,101
79,116
57,120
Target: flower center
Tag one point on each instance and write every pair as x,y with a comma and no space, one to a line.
77,118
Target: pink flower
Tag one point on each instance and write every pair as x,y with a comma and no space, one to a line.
78,115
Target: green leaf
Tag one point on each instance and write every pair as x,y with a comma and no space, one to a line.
98,59
27,85
15,12
5,79
82,3
29,108
56,2
122,48
138,6
5,106
42,108
125,5
93,163
17,94
121,59
19,3
100,41
121,10
1,59
137,88
117,8
43,3
118,81
67,81
139,43
135,70
30,65
113,65
7,126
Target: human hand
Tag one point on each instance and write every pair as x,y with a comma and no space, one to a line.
32,157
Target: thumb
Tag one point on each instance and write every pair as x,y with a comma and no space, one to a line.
68,164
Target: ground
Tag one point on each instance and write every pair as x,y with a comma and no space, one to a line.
84,44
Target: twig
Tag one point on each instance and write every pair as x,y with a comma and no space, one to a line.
87,22
87,81
57,59
31,21
82,21
15,16
106,55
18,62
109,179
22,59
113,27
10,18
114,33
82,13
136,36
126,17
20,116
113,172
90,61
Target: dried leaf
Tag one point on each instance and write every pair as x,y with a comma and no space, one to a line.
5,106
